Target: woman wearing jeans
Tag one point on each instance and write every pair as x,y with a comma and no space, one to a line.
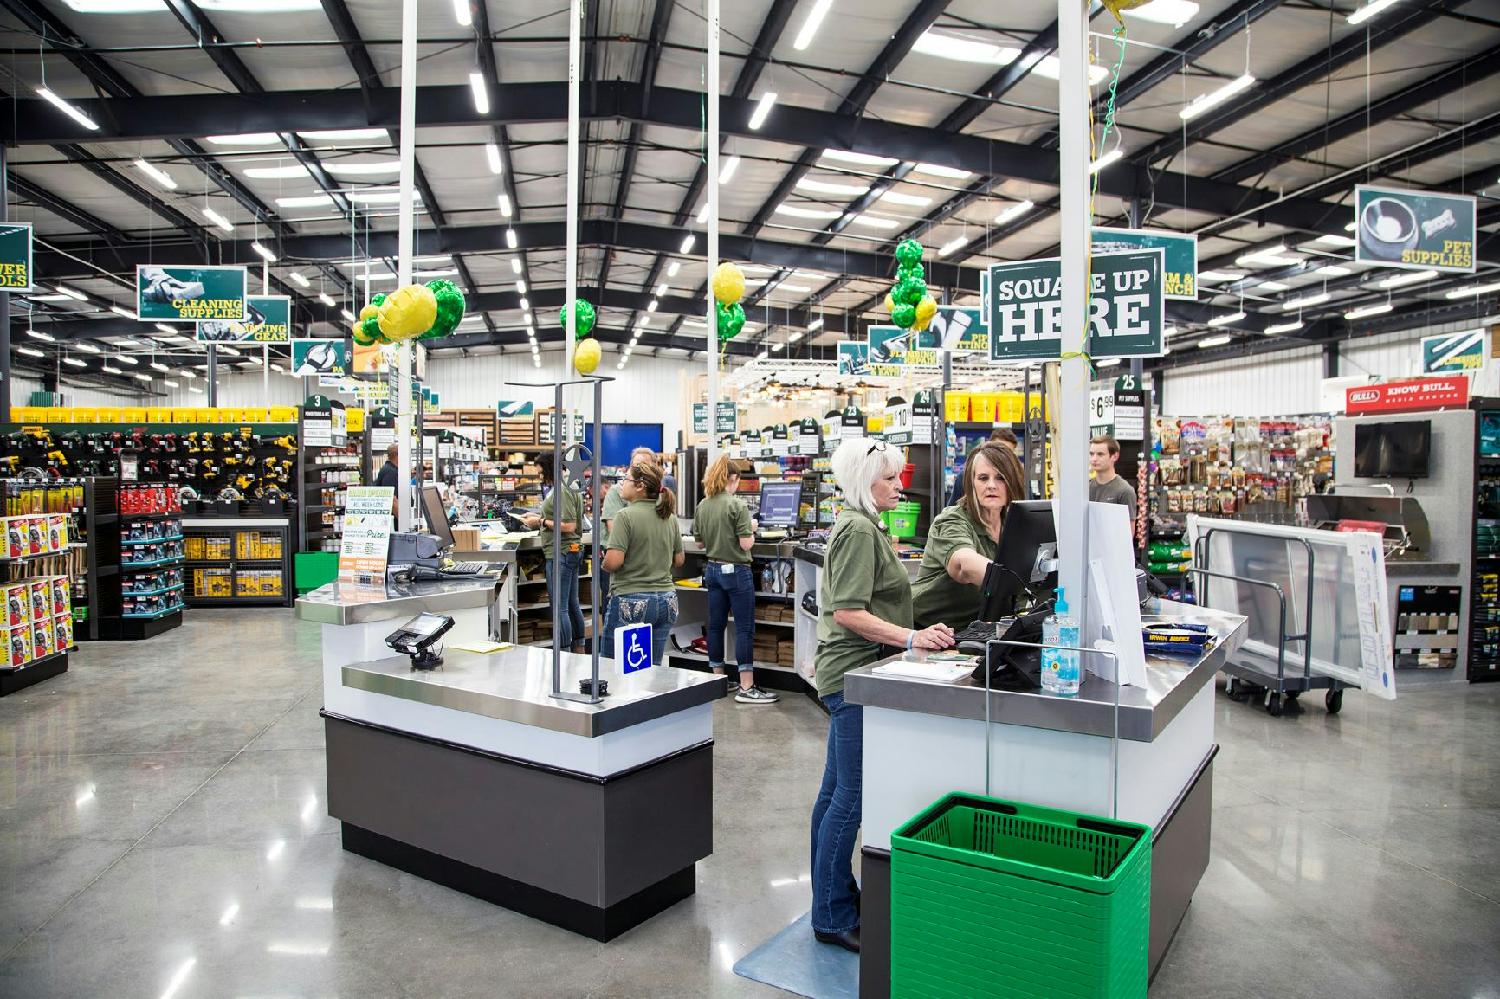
645,544
562,578
864,615
723,526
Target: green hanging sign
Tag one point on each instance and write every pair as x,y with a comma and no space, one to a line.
189,294
15,258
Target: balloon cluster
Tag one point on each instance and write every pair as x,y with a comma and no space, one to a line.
411,312
586,355
910,306
728,286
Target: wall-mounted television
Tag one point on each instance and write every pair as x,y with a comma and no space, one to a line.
1393,450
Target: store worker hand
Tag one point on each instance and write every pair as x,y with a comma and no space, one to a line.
933,639
532,521
163,287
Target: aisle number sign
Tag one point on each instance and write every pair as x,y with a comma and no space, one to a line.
15,257
1179,261
1125,307
727,422
189,294
268,319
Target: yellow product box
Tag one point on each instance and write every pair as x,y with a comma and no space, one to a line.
158,414
57,532
42,637
108,414
982,407
82,414
1011,408
132,414
254,414
956,407
17,605
62,631
284,414
23,414
18,647
62,596
354,420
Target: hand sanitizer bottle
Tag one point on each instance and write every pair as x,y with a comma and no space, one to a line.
1060,667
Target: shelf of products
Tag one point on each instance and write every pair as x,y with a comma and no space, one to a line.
1484,605
326,474
144,544
231,565
39,630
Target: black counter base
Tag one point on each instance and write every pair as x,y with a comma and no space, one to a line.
14,680
596,922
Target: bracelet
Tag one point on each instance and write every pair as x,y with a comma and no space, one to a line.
911,636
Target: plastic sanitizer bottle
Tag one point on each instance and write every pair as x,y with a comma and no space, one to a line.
1060,667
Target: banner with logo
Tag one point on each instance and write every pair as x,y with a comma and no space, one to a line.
16,273
1125,307
1453,352
960,328
268,319
893,348
189,294
1179,255
1417,230
854,357
319,357
1405,396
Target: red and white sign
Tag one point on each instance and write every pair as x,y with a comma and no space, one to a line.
1397,397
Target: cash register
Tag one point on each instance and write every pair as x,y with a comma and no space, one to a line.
780,510
429,555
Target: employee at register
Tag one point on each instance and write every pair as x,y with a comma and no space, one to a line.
562,577
962,540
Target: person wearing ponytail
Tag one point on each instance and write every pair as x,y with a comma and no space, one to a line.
645,544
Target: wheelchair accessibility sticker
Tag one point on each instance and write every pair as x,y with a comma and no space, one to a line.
633,647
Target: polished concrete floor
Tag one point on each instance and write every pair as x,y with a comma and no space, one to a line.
163,834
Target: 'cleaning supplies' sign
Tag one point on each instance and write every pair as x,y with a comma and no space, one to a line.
854,357
15,257
1125,307
268,319
189,294
1179,263
1417,230
1449,352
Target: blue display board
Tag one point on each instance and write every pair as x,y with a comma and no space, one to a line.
619,439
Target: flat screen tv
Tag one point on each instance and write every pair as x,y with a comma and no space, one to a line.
1396,450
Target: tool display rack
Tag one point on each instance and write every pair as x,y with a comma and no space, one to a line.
244,562
82,575
112,623
1484,604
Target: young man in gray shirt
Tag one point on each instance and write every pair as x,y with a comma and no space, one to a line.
1107,487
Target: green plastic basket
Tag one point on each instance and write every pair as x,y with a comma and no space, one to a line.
902,521
992,897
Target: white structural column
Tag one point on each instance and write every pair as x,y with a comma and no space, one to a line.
265,350
711,142
404,238
1070,450
575,45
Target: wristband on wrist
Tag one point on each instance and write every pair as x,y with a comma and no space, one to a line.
911,636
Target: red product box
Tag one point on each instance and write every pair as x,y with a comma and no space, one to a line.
62,629
18,646
42,638
41,599
62,597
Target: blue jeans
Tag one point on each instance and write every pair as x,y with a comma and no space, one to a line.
835,819
564,578
733,591
659,610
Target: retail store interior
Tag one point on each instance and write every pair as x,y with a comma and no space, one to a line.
824,498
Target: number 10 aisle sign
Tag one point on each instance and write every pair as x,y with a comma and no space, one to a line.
1125,307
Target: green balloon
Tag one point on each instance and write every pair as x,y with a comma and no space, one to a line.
450,308
729,319
368,332
904,316
911,272
909,251
910,292
378,298
585,321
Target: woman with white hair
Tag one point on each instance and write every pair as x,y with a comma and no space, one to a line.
864,615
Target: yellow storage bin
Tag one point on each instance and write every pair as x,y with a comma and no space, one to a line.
982,407
354,420
283,414
956,407
255,414
24,414
132,414
107,414
1011,408
83,414
158,414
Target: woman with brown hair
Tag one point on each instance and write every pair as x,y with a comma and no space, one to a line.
645,544
962,540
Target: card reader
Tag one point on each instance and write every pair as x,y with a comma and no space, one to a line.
416,638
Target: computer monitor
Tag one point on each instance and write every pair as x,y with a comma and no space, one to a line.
1026,560
436,516
780,504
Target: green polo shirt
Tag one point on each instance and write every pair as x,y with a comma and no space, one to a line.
572,512
937,596
649,544
721,521
613,504
860,572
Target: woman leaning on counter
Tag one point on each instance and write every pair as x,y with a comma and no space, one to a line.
864,615
963,539
645,545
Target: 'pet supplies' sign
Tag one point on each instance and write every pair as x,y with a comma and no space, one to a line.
1125,307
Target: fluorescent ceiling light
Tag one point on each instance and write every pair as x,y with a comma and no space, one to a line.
1020,207
811,24
953,246
461,13
195,390
245,139
364,135
348,316
127,359
31,352
300,281
1364,312
673,268
1283,328
49,298
825,187
157,174
111,370
1331,239
515,265
1474,291
688,242
1402,280
897,198
305,201
521,287
1173,12
651,306
158,366
937,170
1350,227
326,299
506,209
859,159
142,376
73,293
39,335
960,49
1369,10
1225,320
171,384
218,220
525,304
120,310
1208,101
762,108
798,289
67,109
1304,302
169,330
816,324
75,362
794,336
510,238
777,346
661,289
492,154
1273,256
380,196
264,253
1106,159
1219,276
1333,270
228,350
480,92
1214,341
86,347
876,222
293,170
363,169
727,170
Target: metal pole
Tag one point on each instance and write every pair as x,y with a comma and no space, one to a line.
5,399
554,590
595,563
213,376
1069,449
575,20
404,239
265,350
711,142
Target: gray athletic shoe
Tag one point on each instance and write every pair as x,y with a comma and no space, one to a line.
754,695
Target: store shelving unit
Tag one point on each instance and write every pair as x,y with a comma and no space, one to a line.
118,620
1484,602
242,562
323,476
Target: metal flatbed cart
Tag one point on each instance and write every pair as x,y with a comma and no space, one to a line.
1254,673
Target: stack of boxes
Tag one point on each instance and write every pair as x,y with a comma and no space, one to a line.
38,619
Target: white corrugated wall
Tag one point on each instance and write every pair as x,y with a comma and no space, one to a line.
21,387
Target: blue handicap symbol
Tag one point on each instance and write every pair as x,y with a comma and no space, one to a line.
634,645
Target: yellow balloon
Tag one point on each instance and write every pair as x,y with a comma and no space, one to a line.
728,284
926,309
586,356
890,303
408,312
369,311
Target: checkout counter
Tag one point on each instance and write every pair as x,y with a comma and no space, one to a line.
1150,761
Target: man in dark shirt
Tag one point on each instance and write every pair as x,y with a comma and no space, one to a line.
1107,487
389,474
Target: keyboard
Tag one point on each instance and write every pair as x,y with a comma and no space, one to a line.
465,568
972,638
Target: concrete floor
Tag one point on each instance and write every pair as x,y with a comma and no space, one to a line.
163,834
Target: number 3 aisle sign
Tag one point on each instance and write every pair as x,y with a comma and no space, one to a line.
1125,307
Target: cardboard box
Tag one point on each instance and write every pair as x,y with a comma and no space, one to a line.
62,630
62,596
15,537
41,598
57,532
17,605
18,645
42,638
465,538
36,535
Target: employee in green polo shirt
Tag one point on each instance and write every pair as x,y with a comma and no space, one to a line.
645,545
864,614
963,539
613,503
562,578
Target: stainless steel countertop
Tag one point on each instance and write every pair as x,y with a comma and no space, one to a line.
341,603
1144,712
515,686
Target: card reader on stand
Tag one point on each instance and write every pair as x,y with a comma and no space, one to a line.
416,638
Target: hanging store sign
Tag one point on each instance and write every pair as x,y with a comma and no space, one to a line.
324,423
1404,396
189,294
1130,409
319,357
854,357
1417,230
268,319
371,359
16,272
1453,352
727,423
1179,255
961,329
1125,307
893,348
